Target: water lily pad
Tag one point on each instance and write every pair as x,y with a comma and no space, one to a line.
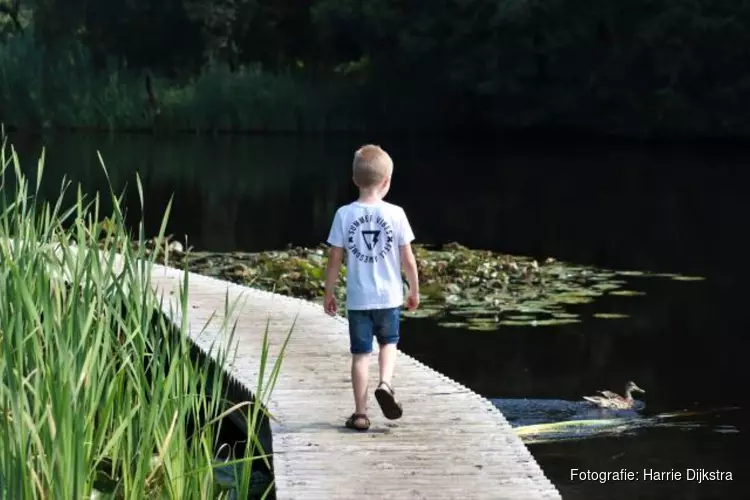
602,275
555,322
632,273
571,298
422,312
432,290
453,324
521,318
453,299
531,311
610,315
626,293
540,322
482,319
606,286
482,327
515,322
726,429
470,311
688,278
679,277
564,315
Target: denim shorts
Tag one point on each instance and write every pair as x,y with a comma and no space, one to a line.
366,324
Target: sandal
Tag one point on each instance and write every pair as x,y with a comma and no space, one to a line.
351,422
387,400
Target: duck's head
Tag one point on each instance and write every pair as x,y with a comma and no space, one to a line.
631,386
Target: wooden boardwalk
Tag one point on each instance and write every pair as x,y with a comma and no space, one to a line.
451,443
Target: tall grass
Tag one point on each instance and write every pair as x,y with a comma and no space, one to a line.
61,88
100,395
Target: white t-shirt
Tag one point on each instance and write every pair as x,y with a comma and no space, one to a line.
371,234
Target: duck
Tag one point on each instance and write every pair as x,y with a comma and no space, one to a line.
609,399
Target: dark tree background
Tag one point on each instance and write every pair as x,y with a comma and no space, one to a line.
637,67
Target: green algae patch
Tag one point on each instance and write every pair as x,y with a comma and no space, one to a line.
459,286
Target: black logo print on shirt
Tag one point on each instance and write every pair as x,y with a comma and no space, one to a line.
369,246
371,238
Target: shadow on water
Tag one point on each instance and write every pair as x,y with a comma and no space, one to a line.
667,211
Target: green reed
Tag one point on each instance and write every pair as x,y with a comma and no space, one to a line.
100,396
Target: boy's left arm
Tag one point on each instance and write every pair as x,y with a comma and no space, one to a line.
408,261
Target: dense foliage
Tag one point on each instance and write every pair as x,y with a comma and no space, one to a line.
638,67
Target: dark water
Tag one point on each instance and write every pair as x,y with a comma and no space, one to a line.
670,211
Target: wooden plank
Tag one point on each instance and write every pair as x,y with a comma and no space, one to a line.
450,443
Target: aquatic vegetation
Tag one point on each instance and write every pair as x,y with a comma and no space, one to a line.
101,395
460,287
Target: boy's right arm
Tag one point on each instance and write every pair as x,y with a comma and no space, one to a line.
335,259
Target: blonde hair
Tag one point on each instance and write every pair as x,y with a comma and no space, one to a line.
371,165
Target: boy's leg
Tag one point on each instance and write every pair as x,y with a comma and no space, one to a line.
387,323
360,376
387,362
360,340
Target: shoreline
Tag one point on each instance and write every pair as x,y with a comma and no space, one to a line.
590,139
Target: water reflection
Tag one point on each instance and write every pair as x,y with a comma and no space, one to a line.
626,210
228,194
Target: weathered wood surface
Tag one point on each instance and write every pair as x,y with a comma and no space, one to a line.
450,443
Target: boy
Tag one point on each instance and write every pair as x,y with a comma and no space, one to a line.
377,239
